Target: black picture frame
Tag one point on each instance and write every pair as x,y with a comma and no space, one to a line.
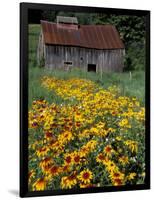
24,8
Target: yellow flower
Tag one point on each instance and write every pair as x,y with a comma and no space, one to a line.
65,137
117,177
94,130
91,144
85,176
88,115
65,168
76,157
131,176
40,184
143,174
111,166
132,145
117,182
108,150
45,163
124,123
42,151
69,181
100,158
111,130
84,134
88,147
48,122
124,160
54,170
118,138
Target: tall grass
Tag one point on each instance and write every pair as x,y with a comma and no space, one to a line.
134,86
33,33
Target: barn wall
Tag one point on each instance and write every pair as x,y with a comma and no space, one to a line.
105,60
111,60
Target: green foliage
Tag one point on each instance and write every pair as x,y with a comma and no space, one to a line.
83,18
135,57
49,15
42,62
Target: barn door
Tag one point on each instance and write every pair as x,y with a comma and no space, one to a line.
91,68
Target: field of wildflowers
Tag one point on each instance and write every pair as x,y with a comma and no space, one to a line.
82,132
92,137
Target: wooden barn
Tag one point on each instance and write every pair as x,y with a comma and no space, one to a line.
66,44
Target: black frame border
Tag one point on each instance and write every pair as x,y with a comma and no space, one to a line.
24,7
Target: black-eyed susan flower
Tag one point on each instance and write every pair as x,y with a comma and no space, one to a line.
41,152
124,160
89,119
101,158
117,182
46,162
68,159
111,166
85,176
49,136
124,123
108,150
69,181
64,183
54,170
40,184
65,137
116,175
65,168
76,158
132,145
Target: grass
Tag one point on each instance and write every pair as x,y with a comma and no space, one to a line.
129,87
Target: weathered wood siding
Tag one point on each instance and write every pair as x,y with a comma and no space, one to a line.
40,49
105,60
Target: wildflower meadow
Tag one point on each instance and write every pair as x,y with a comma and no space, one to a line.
94,138
84,130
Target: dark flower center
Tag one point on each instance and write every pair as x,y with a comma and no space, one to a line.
86,175
68,159
77,158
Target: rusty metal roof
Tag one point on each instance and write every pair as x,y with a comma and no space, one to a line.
88,36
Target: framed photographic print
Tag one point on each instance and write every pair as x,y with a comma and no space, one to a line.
84,99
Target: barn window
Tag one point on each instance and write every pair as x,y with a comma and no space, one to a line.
91,68
68,63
